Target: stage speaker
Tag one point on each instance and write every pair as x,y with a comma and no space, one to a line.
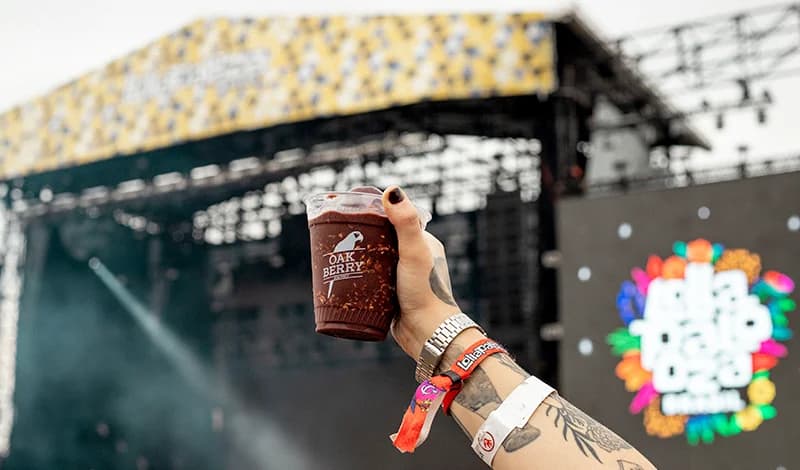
509,272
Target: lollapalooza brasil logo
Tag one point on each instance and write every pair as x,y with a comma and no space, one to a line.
703,329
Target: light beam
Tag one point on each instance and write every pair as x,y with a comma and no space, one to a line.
262,441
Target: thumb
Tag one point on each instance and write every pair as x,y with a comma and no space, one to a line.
405,218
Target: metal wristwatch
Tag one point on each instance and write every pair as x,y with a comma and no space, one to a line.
432,350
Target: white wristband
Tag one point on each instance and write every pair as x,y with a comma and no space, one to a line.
513,413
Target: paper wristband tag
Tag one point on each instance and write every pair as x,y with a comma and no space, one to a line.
513,413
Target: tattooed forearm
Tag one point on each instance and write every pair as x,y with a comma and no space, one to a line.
506,360
449,357
516,440
439,280
480,397
585,431
628,465
521,437
479,394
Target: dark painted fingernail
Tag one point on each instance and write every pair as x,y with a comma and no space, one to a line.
396,196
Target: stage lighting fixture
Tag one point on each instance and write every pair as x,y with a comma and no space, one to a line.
585,347
624,231
131,186
761,115
551,332
203,172
551,259
169,181
743,151
94,195
250,164
46,195
213,236
744,85
689,178
793,223
250,201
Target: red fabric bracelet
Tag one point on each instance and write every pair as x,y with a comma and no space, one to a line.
466,363
440,389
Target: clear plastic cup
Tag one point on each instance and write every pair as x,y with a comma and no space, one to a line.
353,263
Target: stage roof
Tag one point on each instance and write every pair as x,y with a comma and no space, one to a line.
218,76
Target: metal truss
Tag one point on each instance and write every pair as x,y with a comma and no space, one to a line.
739,50
246,199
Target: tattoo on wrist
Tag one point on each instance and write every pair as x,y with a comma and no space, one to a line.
628,465
585,432
439,280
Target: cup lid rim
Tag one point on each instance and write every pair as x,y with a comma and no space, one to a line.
341,193
424,214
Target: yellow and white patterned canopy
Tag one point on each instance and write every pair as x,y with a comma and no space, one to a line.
219,76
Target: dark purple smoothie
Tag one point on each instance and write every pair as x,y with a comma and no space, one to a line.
353,265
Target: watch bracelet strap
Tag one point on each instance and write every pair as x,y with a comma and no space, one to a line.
441,338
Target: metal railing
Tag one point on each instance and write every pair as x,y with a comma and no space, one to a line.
686,178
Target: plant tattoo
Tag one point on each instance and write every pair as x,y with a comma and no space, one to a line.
586,432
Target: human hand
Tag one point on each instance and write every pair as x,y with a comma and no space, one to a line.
423,282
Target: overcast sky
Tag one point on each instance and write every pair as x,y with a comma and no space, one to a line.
44,43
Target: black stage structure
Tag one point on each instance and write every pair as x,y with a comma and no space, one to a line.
171,224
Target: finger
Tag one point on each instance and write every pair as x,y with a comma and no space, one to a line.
403,215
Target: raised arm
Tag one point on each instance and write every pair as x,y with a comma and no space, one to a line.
558,435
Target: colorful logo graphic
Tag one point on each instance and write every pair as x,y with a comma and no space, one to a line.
703,329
